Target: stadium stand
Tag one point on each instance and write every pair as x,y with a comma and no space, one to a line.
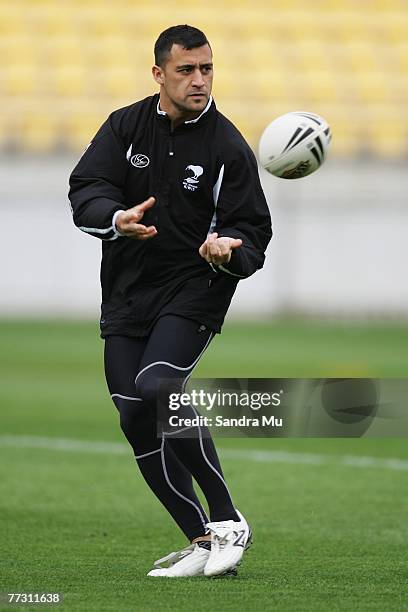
65,65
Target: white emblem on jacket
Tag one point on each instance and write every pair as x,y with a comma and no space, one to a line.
191,182
139,160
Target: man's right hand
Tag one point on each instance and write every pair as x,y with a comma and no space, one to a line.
127,223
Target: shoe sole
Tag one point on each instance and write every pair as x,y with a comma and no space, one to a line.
231,573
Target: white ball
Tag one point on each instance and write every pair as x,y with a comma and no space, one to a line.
294,145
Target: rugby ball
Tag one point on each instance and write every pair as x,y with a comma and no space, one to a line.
294,145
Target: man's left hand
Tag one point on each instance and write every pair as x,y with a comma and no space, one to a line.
218,250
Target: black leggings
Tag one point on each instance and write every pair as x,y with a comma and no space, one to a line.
134,368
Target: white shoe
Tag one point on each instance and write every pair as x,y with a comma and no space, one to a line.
188,562
229,540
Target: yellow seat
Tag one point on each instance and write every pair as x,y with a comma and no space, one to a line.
397,85
318,86
362,56
272,86
302,25
110,51
69,81
40,131
63,51
389,138
372,88
400,52
242,120
349,26
17,49
48,19
331,57
19,80
11,20
98,21
119,81
396,26
310,55
261,55
80,128
347,139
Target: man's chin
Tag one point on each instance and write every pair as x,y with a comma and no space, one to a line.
197,103
192,106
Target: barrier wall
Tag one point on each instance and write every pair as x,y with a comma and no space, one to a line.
339,246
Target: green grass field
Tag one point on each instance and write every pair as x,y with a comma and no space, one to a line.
330,531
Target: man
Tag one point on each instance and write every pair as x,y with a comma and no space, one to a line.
170,266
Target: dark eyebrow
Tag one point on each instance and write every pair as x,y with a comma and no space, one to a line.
206,65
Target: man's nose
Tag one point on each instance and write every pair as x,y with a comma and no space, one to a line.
198,80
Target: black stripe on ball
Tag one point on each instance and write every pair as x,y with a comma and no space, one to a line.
316,155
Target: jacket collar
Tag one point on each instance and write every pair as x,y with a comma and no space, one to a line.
162,114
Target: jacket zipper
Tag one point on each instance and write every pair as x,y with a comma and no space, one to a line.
166,186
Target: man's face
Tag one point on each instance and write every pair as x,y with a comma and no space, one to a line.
186,77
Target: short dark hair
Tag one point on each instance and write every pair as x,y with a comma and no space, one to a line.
184,35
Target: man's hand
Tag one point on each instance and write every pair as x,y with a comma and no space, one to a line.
127,223
218,250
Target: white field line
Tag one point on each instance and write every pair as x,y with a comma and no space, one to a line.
258,456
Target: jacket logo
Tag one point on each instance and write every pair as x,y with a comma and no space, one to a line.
191,182
139,160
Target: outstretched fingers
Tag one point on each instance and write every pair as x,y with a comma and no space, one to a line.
146,204
218,250
141,232
128,221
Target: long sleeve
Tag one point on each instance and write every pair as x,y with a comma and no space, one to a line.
242,212
96,184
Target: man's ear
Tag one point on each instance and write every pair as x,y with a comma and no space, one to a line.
157,73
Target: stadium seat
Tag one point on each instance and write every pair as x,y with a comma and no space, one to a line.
19,80
372,88
17,49
80,127
11,20
40,132
346,139
70,80
388,139
62,51
332,54
117,82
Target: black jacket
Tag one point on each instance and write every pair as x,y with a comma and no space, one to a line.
204,177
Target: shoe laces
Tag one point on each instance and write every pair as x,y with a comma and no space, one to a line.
221,534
